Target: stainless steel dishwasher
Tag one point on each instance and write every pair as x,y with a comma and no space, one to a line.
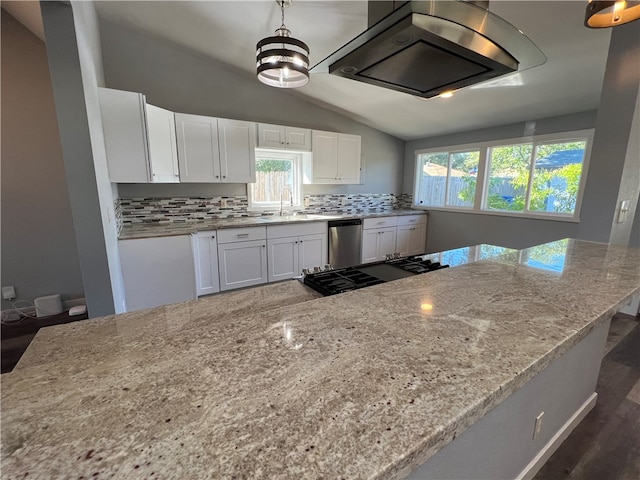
345,242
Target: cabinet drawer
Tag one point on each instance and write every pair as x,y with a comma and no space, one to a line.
229,235
379,222
296,229
419,219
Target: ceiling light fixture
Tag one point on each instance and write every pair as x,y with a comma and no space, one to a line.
601,14
282,61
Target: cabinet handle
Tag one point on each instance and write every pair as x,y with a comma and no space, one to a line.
217,176
224,176
242,235
264,246
300,241
213,236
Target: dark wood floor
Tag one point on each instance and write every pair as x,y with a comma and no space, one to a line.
606,444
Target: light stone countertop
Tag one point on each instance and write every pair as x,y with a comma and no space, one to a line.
366,384
146,230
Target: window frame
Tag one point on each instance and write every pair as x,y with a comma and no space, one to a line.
482,178
296,159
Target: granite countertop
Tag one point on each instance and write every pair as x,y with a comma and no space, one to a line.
366,384
145,230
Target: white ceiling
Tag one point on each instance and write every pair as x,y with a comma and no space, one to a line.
570,81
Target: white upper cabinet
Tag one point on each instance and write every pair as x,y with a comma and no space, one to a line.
237,150
349,151
198,151
163,150
336,158
215,150
139,138
288,138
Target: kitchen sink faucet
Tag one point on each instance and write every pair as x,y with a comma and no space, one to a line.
286,188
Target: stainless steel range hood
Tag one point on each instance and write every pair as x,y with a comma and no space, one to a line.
426,48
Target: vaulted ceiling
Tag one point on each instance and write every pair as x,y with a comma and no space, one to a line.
227,31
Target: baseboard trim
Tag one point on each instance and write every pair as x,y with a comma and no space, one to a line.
561,435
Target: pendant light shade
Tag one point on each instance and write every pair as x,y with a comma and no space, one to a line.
602,14
281,60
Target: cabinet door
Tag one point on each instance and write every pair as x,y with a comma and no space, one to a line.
312,251
417,239
205,256
370,241
349,158
198,150
282,258
298,139
163,154
157,271
242,264
237,151
125,136
271,136
387,243
403,239
325,157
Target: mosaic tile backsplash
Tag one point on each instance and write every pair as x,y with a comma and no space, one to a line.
193,209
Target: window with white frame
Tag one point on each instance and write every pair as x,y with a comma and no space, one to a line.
278,181
540,177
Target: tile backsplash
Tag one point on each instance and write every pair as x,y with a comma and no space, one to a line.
192,209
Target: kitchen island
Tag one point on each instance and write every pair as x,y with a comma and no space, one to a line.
275,382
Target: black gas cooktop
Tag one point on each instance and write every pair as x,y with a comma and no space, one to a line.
331,282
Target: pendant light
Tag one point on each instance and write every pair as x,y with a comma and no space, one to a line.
282,61
601,14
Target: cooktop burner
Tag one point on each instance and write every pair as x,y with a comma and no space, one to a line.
332,282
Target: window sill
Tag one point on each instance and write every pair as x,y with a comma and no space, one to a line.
498,213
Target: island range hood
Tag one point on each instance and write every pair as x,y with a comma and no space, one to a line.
426,48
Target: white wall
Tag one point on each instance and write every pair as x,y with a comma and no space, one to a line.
181,81
73,47
39,254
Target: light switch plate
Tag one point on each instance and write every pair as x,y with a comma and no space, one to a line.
623,213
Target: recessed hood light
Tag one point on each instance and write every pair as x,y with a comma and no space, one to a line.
427,48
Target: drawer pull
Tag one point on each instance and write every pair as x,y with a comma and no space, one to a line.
242,235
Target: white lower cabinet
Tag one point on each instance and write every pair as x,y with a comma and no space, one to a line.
157,271
378,238
292,248
412,235
205,259
377,243
242,257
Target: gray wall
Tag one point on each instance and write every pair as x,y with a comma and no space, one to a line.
73,48
178,80
38,244
614,151
622,233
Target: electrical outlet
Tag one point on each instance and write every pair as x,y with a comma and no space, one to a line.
8,293
306,202
538,425
224,202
